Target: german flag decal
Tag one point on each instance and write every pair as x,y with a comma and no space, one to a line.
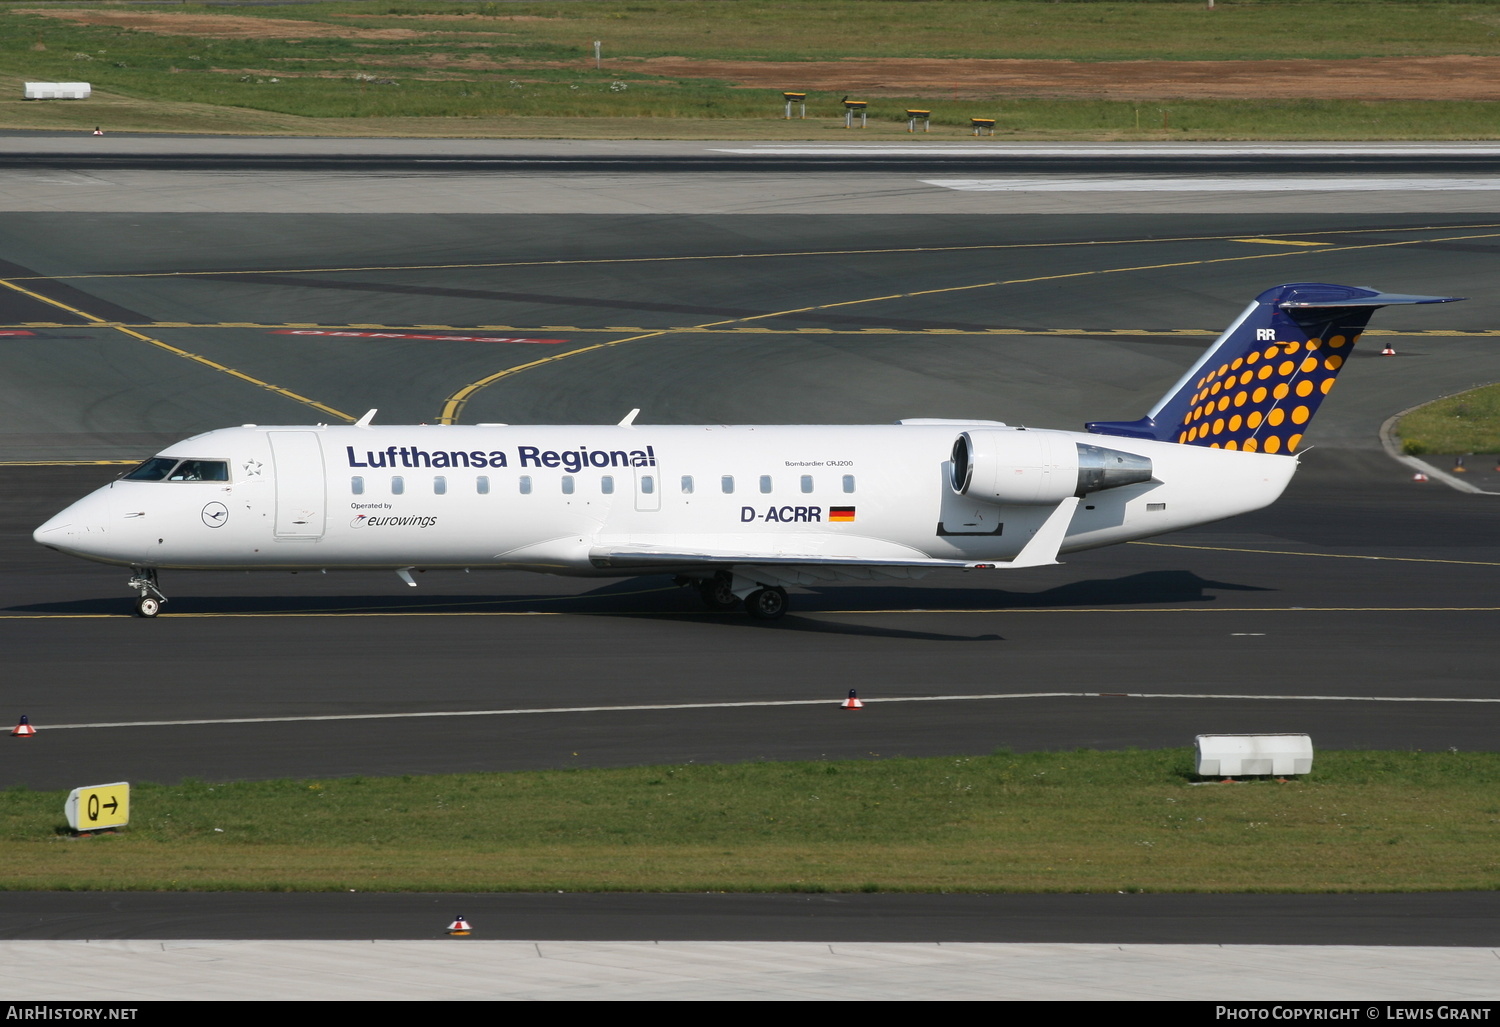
841,513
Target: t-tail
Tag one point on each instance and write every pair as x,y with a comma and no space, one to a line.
1259,385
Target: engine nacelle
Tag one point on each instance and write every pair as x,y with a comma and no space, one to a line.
1038,467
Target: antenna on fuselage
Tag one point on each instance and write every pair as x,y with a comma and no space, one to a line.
629,418
364,422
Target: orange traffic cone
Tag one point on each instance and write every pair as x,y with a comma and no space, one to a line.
23,729
1419,476
851,703
1389,350
459,928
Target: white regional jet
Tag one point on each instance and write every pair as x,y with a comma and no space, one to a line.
741,512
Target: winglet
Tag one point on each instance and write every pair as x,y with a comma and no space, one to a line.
1043,548
364,422
629,418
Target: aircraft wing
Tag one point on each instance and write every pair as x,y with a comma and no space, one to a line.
642,555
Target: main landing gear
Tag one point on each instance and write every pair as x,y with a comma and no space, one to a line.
144,582
766,603
718,594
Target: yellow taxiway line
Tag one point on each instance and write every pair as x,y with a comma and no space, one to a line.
195,357
453,407
1300,241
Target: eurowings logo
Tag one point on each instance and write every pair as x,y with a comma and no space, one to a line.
366,521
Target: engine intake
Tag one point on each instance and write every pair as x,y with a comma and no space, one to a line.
1037,467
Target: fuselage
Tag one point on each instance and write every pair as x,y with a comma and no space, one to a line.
544,498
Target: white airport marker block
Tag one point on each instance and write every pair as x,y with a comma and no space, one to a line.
1243,755
57,91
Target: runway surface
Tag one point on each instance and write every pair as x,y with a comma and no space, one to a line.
141,310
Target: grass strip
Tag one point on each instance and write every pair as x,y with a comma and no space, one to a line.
526,70
707,111
1466,423
1083,821
766,30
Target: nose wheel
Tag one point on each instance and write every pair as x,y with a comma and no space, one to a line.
151,598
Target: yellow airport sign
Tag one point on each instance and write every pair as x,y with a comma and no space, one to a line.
98,807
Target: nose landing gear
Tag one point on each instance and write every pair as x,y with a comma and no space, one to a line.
144,582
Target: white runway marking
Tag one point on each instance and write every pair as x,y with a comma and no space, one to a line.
1257,184
767,702
1113,150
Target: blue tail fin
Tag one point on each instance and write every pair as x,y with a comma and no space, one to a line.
1259,384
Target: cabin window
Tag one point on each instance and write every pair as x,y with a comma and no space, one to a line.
398,485
648,484
525,484
567,484
807,483
357,484
439,485
687,484
765,483
848,483
607,485
726,484
482,484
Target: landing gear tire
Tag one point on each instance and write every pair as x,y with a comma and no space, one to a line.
717,594
766,603
144,582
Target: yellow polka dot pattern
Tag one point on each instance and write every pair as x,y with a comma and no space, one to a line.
1274,390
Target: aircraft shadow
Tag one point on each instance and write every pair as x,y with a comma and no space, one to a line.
657,597
1150,588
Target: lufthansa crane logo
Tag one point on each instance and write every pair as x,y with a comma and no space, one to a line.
215,515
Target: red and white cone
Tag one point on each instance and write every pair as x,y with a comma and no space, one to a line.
851,703
23,729
1389,350
98,131
459,927
1419,476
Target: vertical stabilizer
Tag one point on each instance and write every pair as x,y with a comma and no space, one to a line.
1259,385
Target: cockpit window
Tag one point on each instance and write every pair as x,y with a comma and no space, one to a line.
154,469
200,470
166,468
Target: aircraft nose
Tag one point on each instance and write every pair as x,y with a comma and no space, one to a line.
78,528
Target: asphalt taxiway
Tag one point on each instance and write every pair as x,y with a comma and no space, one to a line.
1360,608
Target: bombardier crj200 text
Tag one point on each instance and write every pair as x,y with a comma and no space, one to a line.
740,512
